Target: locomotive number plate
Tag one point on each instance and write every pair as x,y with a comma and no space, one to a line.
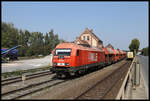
60,64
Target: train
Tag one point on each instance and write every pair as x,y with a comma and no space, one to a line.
74,59
130,55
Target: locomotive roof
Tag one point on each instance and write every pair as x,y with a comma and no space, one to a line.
73,45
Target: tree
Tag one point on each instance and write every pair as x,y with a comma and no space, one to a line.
56,40
145,51
134,45
33,43
9,35
52,40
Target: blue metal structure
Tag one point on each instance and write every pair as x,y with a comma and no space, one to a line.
12,53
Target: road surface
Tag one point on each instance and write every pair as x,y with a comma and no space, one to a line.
26,64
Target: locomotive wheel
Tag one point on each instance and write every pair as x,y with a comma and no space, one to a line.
81,72
77,73
59,75
62,75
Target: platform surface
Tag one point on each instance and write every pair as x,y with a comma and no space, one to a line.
142,91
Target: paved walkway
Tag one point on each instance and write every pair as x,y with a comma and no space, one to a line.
142,91
144,68
139,92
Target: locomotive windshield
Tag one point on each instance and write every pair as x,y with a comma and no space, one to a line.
63,52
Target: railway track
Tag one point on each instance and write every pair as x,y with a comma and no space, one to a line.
32,88
19,79
97,91
104,86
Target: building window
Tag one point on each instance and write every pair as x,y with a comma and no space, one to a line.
83,37
87,37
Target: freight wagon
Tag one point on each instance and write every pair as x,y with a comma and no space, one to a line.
129,55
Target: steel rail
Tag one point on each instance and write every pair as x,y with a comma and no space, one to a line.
18,79
38,89
32,86
100,82
23,88
114,83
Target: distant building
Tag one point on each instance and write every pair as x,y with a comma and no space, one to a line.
139,52
109,46
88,38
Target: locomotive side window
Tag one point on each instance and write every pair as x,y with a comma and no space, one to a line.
77,52
63,52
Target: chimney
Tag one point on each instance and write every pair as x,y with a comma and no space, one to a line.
91,30
86,29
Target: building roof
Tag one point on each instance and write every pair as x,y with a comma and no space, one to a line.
91,32
110,46
81,41
84,42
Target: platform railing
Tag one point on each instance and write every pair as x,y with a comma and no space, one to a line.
132,79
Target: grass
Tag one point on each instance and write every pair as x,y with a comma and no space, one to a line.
20,72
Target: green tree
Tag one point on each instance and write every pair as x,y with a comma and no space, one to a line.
145,51
134,45
57,41
9,35
52,40
33,43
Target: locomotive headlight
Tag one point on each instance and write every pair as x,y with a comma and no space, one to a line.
66,64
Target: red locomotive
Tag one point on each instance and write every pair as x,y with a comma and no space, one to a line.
70,58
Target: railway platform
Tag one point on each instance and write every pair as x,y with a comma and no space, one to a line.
142,91
139,92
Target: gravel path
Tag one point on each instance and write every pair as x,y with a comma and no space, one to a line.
26,64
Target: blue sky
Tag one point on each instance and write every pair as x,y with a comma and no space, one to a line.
116,23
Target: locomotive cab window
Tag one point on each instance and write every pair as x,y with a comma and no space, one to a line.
63,52
77,52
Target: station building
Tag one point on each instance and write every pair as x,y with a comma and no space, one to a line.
88,38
